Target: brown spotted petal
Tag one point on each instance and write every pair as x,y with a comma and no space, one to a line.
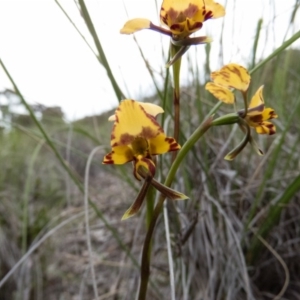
119,155
132,120
185,17
258,116
232,76
220,92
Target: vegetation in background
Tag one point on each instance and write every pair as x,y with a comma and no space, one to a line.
236,238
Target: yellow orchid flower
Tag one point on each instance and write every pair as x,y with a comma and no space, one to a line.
233,76
182,18
136,136
258,116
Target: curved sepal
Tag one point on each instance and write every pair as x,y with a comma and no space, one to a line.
138,202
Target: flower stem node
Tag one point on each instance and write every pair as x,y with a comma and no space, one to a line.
226,120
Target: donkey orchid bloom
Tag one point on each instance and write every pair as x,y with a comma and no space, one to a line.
258,116
136,136
255,115
231,76
180,19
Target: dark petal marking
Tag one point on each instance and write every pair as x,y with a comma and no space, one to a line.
153,120
272,128
190,11
259,108
107,160
272,114
177,26
256,119
173,144
238,73
197,25
148,133
221,91
112,136
126,139
117,118
208,15
178,16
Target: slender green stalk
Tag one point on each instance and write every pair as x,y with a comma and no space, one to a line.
102,57
76,28
145,262
26,196
176,92
150,200
277,51
258,30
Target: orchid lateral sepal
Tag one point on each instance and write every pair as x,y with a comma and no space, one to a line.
192,41
233,153
136,205
149,180
177,56
166,191
255,146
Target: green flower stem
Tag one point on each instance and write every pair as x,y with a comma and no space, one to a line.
150,200
226,119
245,98
176,93
145,261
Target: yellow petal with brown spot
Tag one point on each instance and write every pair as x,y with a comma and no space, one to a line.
162,144
119,155
131,121
266,128
221,93
269,114
150,108
258,98
217,9
232,76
